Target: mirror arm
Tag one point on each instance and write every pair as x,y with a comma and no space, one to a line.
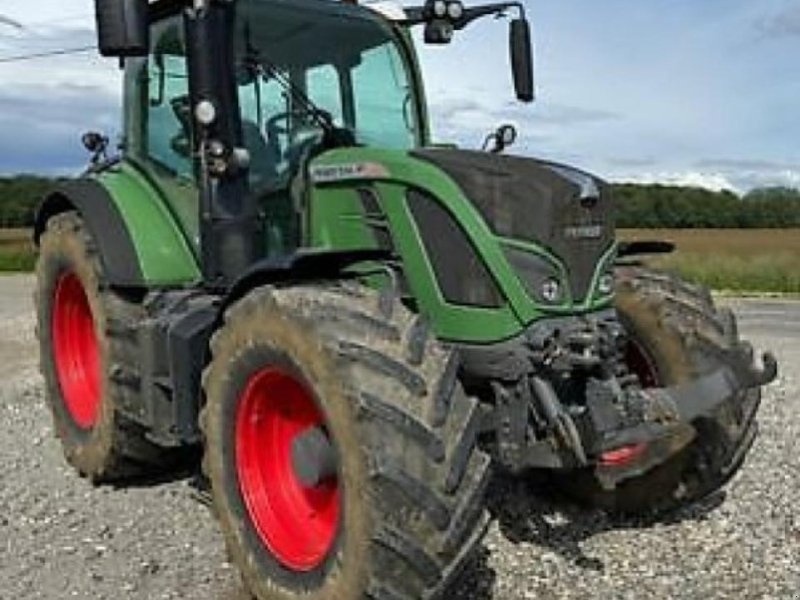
470,14
415,15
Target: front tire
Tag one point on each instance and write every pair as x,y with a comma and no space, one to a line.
403,507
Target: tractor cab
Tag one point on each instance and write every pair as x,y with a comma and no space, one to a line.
278,83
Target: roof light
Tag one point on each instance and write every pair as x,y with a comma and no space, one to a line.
455,10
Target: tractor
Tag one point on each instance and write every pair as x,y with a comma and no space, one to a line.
355,327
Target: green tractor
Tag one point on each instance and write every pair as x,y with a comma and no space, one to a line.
357,326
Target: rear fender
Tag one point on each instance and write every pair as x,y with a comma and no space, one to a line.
141,243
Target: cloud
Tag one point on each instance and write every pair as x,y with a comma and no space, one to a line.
736,180
24,40
46,104
631,161
736,164
784,23
711,181
564,115
41,126
466,120
10,22
751,173
747,180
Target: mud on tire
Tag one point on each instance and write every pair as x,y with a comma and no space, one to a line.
681,335
97,439
410,479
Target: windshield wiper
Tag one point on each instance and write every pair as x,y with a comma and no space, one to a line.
266,70
322,117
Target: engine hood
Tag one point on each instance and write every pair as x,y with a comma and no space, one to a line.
563,209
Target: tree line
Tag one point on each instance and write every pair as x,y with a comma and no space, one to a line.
643,206
674,207
19,197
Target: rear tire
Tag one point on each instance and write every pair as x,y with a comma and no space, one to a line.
88,356
409,481
678,335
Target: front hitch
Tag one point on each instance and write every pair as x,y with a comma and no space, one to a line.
670,417
701,397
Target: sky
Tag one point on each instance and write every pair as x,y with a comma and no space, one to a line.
698,92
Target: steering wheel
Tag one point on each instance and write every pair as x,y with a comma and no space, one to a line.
278,124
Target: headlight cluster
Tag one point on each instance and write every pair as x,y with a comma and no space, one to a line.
453,9
541,276
606,282
545,281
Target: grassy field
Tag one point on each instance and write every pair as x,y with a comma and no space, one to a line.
16,250
738,260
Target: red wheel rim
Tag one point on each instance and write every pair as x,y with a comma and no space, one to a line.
297,524
642,364
75,351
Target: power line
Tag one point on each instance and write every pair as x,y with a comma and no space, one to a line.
63,19
11,22
47,54
7,20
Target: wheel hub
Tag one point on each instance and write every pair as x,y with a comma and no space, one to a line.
295,514
75,351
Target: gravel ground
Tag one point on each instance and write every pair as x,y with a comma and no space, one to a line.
60,537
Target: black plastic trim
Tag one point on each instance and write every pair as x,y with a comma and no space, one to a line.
644,247
104,221
166,8
376,219
303,265
461,274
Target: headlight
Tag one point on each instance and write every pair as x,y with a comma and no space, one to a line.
551,290
605,285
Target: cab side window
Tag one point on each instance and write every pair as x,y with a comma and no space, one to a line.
169,141
380,86
262,102
325,91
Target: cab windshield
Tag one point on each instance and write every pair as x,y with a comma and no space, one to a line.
343,59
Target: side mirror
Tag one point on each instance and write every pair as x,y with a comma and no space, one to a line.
123,27
520,48
94,142
499,140
97,145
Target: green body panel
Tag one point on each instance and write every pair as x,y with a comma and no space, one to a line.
166,257
338,221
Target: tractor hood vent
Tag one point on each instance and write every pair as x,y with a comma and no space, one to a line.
565,210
